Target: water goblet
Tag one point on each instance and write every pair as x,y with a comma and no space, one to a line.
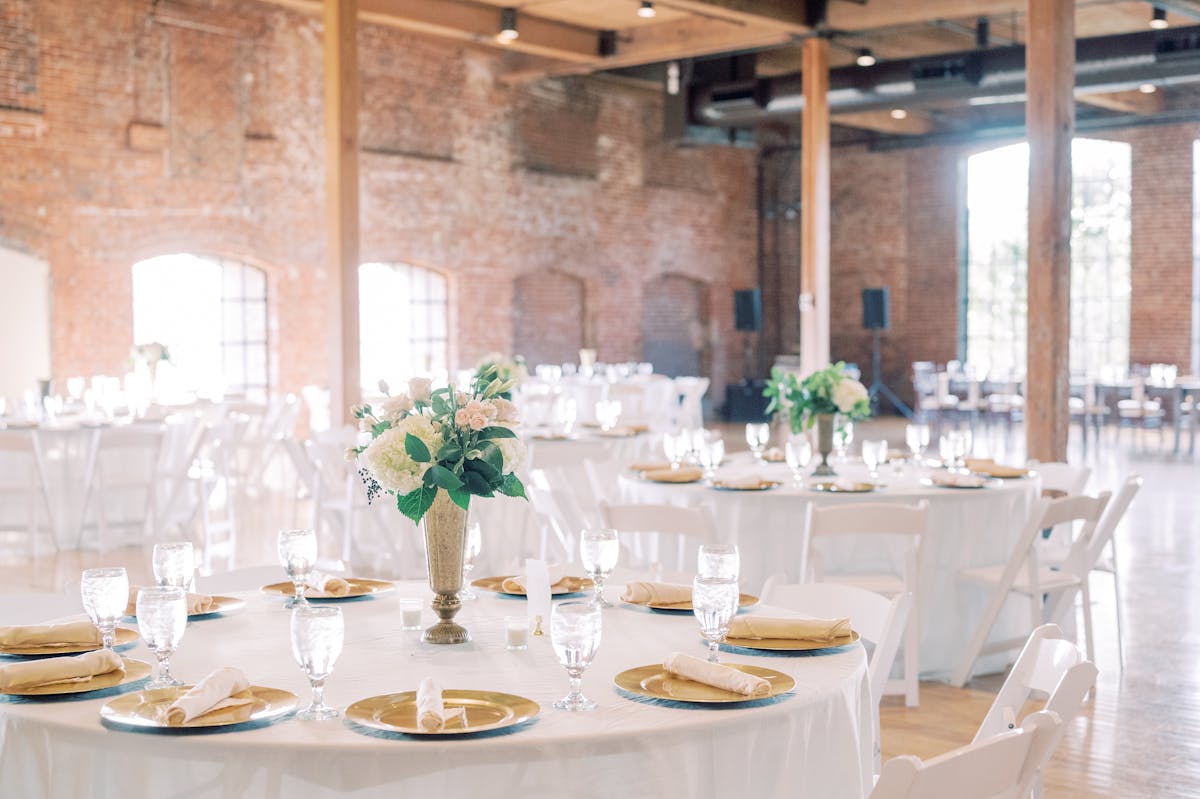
607,413
916,436
718,560
174,563
317,636
711,454
162,618
843,437
470,554
105,594
714,601
575,633
298,555
675,447
948,448
963,447
797,452
874,453
757,436
599,549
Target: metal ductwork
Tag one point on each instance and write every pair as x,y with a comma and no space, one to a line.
1102,64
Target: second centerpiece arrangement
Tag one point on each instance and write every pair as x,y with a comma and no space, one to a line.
820,398
434,450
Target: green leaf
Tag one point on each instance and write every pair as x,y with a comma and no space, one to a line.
494,432
415,503
477,484
416,449
511,486
449,452
440,404
482,468
376,429
493,457
461,497
444,478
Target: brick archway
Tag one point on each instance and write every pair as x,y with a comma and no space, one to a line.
675,319
548,316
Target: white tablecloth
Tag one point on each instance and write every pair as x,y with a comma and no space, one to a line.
966,528
817,742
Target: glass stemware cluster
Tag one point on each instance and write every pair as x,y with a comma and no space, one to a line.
715,593
954,446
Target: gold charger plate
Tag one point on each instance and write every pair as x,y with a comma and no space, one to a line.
567,585
553,437
221,604
358,587
485,710
686,474
790,644
147,709
619,432
123,636
834,487
654,682
134,670
977,483
761,485
744,601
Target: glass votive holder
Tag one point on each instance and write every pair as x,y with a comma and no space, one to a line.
516,633
410,613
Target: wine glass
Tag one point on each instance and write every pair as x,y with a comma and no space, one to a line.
916,436
947,448
714,601
712,452
607,413
757,436
963,447
874,453
575,632
675,446
317,636
599,550
843,437
798,452
298,555
105,594
718,560
174,563
162,618
470,553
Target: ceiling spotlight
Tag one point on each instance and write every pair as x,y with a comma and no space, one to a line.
508,26
1147,88
865,58
646,11
899,113
1158,20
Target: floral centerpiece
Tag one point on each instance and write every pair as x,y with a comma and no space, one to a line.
434,450
511,370
819,398
151,353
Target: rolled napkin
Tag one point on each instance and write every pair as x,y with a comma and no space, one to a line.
431,710
958,480
716,675
760,627
52,671
225,691
992,469
516,585
645,593
744,482
328,583
196,603
652,466
684,474
76,633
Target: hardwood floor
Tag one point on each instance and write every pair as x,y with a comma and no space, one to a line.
1139,736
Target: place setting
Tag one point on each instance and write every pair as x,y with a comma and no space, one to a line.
174,565
719,559
297,550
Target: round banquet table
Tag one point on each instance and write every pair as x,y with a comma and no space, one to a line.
818,741
966,528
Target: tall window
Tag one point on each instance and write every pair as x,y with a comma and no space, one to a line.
403,323
997,265
1196,257
211,314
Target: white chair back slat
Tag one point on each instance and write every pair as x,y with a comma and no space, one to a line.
649,530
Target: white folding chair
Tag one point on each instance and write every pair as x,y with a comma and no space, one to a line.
648,532
1048,665
1002,767
1061,479
307,481
23,482
120,481
873,520
1024,576
562,518
877,619
691,391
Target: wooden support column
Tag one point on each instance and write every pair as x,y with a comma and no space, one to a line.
341,181
814,212
1050,120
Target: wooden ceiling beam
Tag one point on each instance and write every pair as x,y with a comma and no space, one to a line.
914,124
852,16
1127,102
784,14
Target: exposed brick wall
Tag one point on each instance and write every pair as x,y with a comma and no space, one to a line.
675,324
180,126
548,316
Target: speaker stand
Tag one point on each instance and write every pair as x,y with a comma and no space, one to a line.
878,387
748,356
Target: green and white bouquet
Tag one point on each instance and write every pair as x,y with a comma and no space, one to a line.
825,391
425,440
512,371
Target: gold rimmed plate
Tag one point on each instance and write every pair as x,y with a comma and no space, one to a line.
148,709
790,644
122,636
484,711
134,670
744,601
761,485
967,482
359,587
567,585
554,437
221,604
686,474
843,487
653,681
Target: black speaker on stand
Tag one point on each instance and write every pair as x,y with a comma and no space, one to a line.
744,402
747,317
876,318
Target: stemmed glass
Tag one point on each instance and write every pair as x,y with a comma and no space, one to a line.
712,452
676,445
599,550
174,564
575,632
105,594
470,553
843,437
963,447
916,436
719,560
757,436
317,636
798,452
874,453
162,618
607,413
298,555
714,601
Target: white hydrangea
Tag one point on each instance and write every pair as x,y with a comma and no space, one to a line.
513,450
506,412
388,460
848,393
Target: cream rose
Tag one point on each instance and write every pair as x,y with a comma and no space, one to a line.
506,412
394,408
421,389
847,394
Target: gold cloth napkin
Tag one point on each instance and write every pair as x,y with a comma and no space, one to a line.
958,480
329,583
652,466
516,585
196,603
52,671
431,710
644,593
684,474
716,675
745,482
759,627
992,469
225,691
76,633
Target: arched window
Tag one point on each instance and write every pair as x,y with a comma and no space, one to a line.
403,325
211,314
995,287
